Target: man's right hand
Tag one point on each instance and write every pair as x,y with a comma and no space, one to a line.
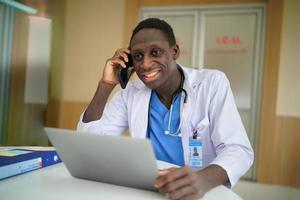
113,64
108,81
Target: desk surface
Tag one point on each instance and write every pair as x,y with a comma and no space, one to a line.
55,182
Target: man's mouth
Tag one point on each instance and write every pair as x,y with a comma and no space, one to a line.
151,75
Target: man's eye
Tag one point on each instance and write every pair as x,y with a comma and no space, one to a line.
155,52
137,57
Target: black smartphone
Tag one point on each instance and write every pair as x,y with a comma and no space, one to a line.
125,73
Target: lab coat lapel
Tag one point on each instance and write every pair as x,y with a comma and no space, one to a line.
187,112
140,113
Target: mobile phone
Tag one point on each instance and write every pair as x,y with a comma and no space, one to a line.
125,73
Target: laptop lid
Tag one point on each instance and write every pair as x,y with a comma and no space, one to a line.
110,159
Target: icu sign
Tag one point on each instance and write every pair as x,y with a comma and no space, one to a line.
228,40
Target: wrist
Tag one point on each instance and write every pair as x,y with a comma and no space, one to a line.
204,183
108,82
213,176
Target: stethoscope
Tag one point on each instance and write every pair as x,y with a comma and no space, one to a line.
178,91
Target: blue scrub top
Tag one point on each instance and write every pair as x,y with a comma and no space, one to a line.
166,147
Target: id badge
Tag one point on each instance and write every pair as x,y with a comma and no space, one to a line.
195,152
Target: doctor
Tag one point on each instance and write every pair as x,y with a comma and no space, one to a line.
179,109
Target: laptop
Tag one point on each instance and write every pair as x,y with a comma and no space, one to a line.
110,159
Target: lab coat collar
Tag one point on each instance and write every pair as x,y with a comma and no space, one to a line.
190,82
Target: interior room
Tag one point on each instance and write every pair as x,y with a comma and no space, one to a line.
52,55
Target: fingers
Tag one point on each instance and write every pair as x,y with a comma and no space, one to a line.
175,185
184,193
119,59
163,172
115,62
170,175
122,54
179,183
121,50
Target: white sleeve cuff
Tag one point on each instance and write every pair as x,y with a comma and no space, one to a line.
235,161
89,127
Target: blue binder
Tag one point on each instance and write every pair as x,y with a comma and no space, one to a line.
18,161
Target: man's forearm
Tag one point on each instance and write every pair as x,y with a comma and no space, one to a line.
95,109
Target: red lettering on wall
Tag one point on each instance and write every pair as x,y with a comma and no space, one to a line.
226,40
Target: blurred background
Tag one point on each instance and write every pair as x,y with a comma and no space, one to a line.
52,53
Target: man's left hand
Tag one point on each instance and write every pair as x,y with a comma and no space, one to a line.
181,183
186,184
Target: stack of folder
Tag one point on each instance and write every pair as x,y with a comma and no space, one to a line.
15,161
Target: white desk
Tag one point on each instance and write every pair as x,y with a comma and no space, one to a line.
55,182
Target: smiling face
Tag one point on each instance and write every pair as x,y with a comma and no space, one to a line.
154,59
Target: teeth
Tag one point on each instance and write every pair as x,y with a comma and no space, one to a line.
151,74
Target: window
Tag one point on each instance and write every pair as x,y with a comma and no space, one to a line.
6,33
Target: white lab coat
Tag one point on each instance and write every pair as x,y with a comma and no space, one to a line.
209,108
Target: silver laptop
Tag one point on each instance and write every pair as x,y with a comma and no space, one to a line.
110,159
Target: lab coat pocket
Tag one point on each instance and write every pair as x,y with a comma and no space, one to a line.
202,127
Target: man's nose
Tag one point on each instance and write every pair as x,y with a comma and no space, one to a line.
147,63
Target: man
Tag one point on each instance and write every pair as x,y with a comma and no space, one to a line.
195,152
178,109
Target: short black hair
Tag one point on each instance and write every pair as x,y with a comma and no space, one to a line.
156,24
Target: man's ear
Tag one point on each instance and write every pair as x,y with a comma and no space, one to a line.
176,51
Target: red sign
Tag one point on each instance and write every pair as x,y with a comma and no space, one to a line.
226,40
